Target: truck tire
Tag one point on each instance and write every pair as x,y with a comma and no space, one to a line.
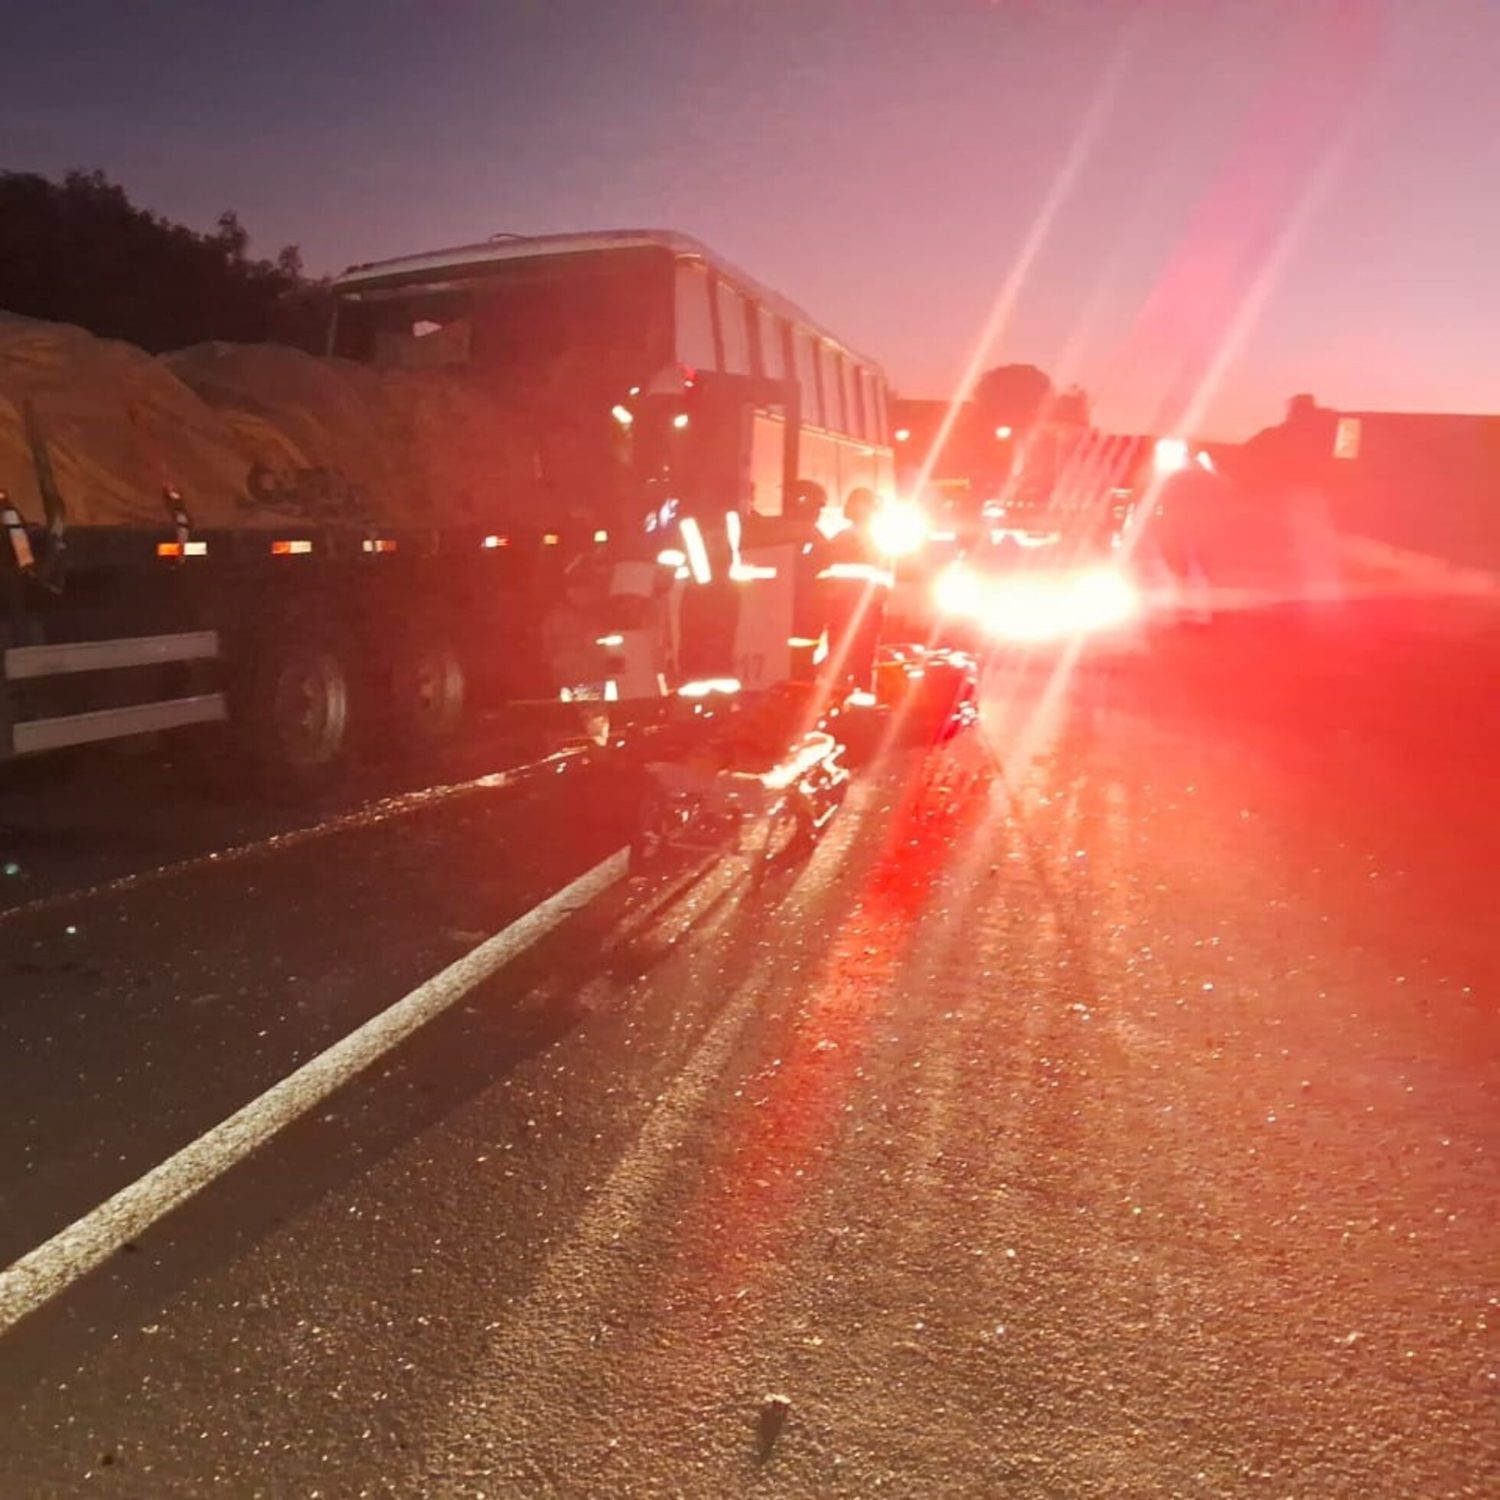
429,691
297,715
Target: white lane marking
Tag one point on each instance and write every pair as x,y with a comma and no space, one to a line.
51,1268
368,815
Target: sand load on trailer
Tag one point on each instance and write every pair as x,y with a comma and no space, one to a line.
322,439
251,435
118,426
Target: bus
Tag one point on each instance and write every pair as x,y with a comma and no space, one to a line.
601,341
651,380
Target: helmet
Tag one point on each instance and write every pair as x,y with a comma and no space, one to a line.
807,500
860,505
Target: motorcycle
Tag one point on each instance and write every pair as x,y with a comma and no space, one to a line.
745,787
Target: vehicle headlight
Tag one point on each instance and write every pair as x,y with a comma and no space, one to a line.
957,591
899,528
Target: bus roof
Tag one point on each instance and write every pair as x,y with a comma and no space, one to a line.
459,258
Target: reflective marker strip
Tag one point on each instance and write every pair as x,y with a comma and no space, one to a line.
290,549
42,1274
20,542
697,553
860,572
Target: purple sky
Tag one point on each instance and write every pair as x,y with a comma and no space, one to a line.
1270,195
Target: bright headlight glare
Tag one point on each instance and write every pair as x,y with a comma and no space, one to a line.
957,591
899,528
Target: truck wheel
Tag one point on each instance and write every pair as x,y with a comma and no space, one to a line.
429,691
297,716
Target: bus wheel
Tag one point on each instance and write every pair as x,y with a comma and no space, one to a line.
429,690
298,716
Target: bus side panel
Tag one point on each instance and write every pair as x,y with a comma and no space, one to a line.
767,460
762,647
859,468
818,461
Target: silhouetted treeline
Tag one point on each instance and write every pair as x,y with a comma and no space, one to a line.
1020,396
79,251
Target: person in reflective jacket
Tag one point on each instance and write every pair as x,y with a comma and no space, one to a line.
856,580
796,529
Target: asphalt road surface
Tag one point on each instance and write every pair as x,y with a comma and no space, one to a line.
1109,1106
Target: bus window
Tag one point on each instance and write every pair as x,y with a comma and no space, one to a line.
520,320
772,344
807,377
846,387
861,401
695,327
425,342
767,460
420,328
881,434
833,396
753,337
732,327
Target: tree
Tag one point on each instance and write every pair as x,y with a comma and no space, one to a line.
1071,408
1011,396
78,251
232,236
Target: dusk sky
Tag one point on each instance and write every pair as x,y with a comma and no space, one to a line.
1253,197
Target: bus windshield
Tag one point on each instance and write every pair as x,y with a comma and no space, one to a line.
523,324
